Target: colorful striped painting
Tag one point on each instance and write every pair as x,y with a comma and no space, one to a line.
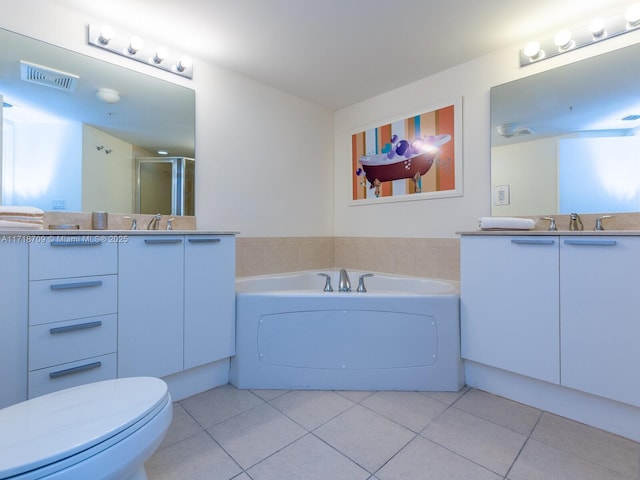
406,157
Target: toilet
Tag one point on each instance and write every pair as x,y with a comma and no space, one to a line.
99,431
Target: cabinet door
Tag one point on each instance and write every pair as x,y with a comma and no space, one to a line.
13,319
150,306
209,309
510,304
600,314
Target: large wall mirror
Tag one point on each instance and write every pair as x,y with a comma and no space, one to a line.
64,149
567,140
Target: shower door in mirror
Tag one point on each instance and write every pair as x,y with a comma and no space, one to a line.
165,185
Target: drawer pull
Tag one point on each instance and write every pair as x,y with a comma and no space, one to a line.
204,240
605,243
72,370
75,242
532,241
66,286
159,241
71,328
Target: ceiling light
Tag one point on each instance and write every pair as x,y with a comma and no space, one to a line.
581,36
163,152
133,47
108,95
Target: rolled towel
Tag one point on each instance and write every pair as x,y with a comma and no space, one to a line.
506,223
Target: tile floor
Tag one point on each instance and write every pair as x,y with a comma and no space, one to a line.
226,433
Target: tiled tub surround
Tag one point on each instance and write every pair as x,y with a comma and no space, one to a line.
420,257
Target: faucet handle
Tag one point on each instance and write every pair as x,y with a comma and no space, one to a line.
599,222
552,224
170,223
327,282
134,222
361,288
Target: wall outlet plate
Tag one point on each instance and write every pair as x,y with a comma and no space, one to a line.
501,195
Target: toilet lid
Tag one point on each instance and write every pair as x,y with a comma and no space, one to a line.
52,427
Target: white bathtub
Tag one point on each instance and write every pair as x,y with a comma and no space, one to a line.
402,334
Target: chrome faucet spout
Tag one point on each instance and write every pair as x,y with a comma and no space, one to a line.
154,223
344,285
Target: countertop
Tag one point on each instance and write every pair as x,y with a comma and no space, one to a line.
546,233
109,233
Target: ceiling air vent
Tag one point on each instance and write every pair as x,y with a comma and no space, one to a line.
30,72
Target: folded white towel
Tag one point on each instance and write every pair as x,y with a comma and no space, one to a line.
22,219
10,210
9,225
506,223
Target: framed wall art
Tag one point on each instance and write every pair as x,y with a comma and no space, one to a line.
415,157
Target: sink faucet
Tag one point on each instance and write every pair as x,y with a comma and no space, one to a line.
344,285
575,222
154,223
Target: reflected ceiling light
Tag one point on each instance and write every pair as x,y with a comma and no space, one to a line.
107,95
163,152
132,46
567,40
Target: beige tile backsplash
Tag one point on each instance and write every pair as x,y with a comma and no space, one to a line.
422,257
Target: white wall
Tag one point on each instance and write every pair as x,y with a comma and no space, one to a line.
263,158
269,164
471,81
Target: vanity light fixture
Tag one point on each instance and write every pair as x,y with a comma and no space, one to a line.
135,48
566,40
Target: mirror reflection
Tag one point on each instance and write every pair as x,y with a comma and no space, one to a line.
566,140
66,149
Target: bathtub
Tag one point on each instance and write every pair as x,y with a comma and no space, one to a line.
402,334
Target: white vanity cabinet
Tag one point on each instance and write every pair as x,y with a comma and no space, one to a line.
176,303
509,304
150,305
72,312
600,315
209,299
14,287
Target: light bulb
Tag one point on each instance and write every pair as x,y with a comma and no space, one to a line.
563,40
106,34
184,63
135,45
632,15
533,51
596,27
160,55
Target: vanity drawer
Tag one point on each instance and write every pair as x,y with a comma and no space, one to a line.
63,342
72,256
72,374
69,298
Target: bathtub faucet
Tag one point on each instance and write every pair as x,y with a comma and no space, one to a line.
327,282
344,285
361,287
